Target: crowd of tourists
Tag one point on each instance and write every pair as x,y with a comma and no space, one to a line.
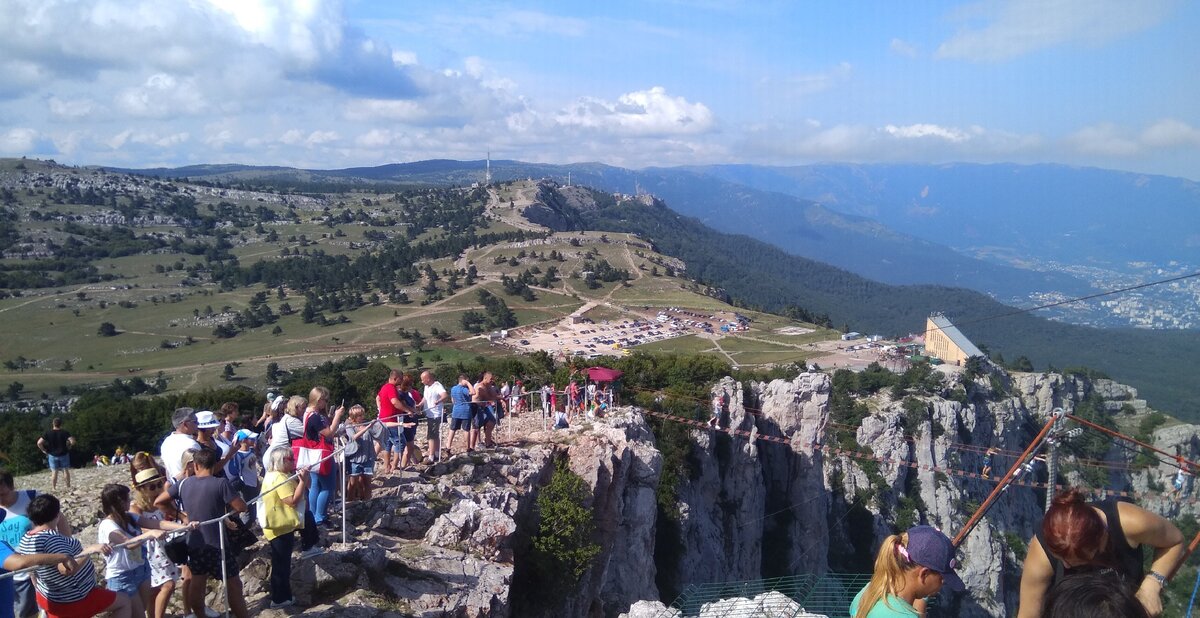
223,478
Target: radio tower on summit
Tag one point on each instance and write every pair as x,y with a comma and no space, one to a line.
487,174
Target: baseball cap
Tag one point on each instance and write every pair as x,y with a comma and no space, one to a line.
244,434
278,401
205,419
928,547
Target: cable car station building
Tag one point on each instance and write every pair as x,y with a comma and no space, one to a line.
945,341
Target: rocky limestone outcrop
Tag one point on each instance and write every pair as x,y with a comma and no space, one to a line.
832,493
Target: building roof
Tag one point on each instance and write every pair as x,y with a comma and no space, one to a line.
950,330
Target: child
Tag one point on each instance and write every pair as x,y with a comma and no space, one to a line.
242,468
127,570
229,421
282,514
148,483
68,589
909,567
361,438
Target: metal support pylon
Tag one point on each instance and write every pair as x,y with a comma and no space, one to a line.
1052,454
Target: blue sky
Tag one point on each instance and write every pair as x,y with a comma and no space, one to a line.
321,83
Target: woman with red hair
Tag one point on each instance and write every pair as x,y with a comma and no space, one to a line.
1106,536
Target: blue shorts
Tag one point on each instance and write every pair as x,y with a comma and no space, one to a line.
129,581
460,423
395,440
410,435
366,468
59,462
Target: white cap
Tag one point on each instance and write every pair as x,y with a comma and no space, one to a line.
278,401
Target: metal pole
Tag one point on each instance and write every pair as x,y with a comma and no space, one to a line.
345,498
1052,456
224,574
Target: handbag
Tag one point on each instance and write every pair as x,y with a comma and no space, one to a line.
177,549
309,452
240,535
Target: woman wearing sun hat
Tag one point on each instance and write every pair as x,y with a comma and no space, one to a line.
148,483
910,566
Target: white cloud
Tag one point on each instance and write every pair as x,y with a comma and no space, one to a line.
75,109
162,96
922,130
404,58
146,138
1000,30
1170,133
302,40
1112,141
645,112
18,141
901,47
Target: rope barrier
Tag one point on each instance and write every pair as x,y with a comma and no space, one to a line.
1095,463
1178,460
196,525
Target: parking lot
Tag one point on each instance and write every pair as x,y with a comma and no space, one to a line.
587,338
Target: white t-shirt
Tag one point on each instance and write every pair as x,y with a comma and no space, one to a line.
284,429
21,505
432,393
121,560
173,448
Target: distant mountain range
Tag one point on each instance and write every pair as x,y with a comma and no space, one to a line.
799,226
1073,215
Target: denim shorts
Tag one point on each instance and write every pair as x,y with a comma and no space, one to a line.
59,462
129,581
395,440
460,423
483,416
362,468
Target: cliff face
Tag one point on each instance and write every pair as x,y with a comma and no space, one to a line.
839,505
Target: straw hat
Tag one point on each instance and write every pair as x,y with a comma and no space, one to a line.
146,477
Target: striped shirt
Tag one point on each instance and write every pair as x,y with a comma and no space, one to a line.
52,584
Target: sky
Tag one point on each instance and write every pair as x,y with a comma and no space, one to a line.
330,84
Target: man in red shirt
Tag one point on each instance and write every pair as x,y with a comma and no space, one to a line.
389,404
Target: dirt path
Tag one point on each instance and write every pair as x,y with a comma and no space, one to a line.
47,297
717,346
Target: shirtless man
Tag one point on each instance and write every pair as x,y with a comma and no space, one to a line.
485,398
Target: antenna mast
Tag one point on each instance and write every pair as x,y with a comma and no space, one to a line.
487,175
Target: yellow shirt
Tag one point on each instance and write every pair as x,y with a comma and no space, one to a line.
272,502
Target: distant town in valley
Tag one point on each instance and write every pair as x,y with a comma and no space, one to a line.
1174,305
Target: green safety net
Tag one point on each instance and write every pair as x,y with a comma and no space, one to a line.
828,594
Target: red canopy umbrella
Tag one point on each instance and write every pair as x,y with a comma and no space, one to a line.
603,374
